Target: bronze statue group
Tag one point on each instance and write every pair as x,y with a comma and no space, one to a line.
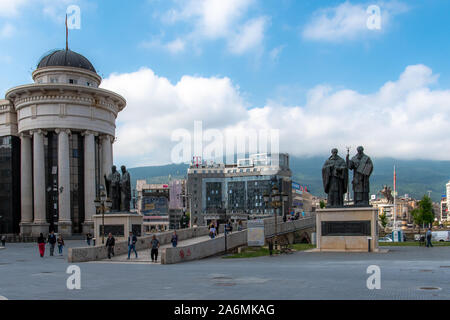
335,178
118,189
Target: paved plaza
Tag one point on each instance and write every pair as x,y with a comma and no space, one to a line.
302,275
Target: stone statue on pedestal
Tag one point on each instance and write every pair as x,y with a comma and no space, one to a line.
362,167
335,179
112,182
125,189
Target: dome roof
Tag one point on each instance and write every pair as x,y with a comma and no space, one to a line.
65,58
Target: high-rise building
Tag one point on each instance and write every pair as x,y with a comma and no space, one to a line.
153,204
235,191
66,125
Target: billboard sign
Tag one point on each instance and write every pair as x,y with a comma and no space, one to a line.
255,233
297,188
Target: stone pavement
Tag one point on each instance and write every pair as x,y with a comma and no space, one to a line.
406,273
144,255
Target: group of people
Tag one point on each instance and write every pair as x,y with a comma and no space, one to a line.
52,240
214,228
132,240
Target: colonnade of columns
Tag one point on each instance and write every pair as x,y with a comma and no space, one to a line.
33,182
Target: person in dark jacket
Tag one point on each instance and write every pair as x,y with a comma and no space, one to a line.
155,246
3,240
429,235
88,238
174,239
41,244
110,242
52,242
132,239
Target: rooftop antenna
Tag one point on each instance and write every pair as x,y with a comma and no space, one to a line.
67,35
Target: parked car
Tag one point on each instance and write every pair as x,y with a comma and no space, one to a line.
385,239
440,236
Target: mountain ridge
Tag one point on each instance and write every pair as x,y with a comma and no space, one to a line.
414,177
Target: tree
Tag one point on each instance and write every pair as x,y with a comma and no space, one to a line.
322,204
424,212
383,219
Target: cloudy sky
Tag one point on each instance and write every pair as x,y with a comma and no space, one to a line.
313,70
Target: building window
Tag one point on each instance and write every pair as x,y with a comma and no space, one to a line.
53,80
73,81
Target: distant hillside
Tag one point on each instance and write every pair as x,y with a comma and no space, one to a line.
414,177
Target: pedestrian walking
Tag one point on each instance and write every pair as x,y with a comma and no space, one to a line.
174,239
41,245
429,236
60,244
110,242
3,240
155,246
88,238
228,227
132,239
52,241
212,231
270,247
217,227
239,227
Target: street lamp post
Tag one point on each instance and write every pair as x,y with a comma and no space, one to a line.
101,204
276,201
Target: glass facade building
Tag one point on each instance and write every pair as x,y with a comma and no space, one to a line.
9,184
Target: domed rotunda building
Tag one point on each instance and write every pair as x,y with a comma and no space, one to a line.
65,127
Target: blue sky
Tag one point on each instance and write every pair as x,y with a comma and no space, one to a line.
272,55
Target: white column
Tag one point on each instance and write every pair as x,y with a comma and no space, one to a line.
26,183
39,178
106,156
89,176
64,221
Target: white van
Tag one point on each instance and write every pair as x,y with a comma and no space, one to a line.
440,236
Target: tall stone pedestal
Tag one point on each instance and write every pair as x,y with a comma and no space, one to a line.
88,227
349,229
119,224
65,228
26,228
38,228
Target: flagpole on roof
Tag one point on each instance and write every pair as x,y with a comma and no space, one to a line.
395,202
67,35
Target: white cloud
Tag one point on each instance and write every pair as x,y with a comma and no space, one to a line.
10,8
156,107
275,53
176,46
218,19
348,21
405,118
7,30
250,36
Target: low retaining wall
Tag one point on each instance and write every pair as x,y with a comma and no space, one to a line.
99,252
203,249
235,239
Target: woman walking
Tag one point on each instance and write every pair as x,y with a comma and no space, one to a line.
60,244
212,231
41,244
174,239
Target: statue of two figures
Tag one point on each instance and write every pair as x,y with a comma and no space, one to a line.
118,189
335,178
